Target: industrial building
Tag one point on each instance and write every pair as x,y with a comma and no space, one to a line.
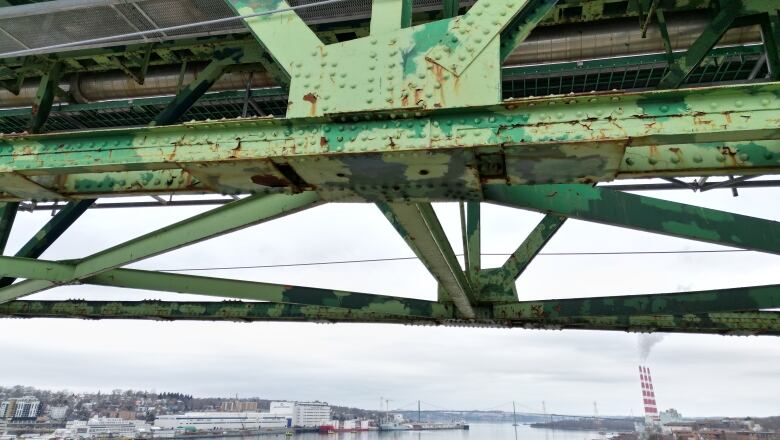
107,427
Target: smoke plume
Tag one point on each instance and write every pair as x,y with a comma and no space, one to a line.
646,342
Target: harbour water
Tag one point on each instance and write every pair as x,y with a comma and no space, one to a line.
477,431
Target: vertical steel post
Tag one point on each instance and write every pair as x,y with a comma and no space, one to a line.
450,8
770,33
473,242
44,98
7,216
390,15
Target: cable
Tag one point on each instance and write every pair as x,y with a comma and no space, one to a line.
164,29
377,260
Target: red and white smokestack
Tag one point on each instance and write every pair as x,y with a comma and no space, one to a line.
648,396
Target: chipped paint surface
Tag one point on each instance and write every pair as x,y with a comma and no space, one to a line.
414,155
402,117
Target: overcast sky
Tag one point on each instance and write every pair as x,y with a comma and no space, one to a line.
355,364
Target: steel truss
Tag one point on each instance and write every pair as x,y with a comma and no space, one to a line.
423,122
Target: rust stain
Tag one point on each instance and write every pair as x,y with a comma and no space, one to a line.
438,73
323,141
270,180
312,99
418,96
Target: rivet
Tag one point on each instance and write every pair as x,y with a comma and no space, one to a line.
652,160
697,158
629,161
743,157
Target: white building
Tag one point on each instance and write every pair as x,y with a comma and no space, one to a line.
105,427
223,421
57,412
303,414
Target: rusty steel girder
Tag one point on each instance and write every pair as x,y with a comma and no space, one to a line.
403,117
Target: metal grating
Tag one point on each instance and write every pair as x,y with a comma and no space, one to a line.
633,77
266,102
64,21
139,112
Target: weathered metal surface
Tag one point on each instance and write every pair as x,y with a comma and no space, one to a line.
419,226
721,131
743,323
678,303
498,284
45,97
643,213
7,216
404,116
683,66
222,220
50,232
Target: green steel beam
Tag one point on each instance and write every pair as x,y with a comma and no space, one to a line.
661,18
740,299
44,97
642,213
249,290
7,215
516,264
390,15
50,232
231,217
473,247
736,324
770,32
522,25
450,8
59,273
436,154
208,311
702,46
419,226
498,284
197,88
271,32
742,323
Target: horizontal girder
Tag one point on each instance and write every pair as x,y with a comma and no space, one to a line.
742,323
413,154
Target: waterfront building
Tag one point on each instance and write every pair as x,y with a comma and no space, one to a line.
108,427
303,414
223,421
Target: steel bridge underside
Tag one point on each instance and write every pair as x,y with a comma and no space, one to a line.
434,127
